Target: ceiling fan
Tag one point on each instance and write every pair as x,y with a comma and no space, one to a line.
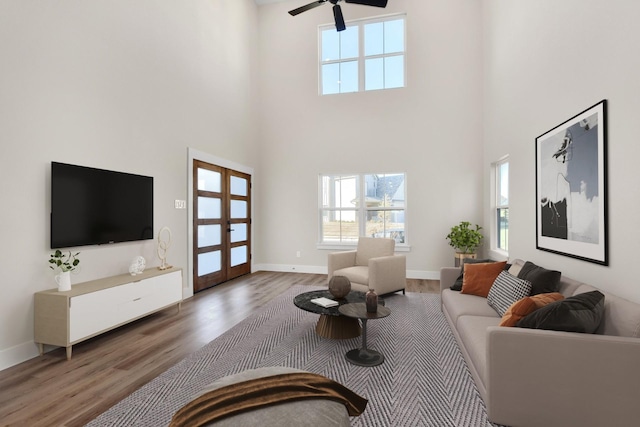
337,11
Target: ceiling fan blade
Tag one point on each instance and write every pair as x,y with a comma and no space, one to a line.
309,6
376,3
337,15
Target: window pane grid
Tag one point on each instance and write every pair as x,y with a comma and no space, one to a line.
378,62
362,205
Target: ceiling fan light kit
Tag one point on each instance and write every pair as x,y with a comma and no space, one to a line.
337,11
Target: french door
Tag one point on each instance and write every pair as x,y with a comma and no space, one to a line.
221,224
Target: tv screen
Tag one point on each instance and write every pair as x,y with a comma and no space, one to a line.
95,206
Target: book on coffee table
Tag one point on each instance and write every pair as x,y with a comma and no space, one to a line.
324,302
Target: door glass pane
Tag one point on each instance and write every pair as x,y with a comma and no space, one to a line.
238,255
209,208
238,209
238,186
209,180
238,233
208,263
209,235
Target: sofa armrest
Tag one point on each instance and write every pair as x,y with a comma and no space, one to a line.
448,276
338,260
388,273
551,378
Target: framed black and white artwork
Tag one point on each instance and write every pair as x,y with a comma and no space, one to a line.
571,199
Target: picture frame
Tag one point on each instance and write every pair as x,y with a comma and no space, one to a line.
571,190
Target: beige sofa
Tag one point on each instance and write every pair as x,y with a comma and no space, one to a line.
532,377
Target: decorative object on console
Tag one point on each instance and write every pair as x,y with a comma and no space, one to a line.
464,240
65,263
137,266
339,286
163,247
371,301
571,199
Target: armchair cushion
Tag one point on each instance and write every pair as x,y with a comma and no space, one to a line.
371,247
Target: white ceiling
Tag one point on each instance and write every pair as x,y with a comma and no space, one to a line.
260,2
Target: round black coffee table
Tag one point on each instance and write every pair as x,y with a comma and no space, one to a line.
364,356
331,323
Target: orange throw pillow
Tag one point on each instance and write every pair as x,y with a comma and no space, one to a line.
478,278
528,305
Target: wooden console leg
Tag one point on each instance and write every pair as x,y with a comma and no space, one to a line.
69,352
41,348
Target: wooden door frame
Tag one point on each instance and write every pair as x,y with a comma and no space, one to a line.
194,154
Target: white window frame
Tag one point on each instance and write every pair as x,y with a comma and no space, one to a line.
360,23
497,205
362,210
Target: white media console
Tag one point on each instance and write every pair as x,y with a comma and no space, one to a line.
91,308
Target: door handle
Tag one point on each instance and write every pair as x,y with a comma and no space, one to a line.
230,229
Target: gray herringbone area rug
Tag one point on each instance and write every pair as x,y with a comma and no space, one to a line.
423,382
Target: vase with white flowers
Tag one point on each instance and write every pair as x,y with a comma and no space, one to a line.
64,263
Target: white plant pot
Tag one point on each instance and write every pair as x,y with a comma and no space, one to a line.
64,281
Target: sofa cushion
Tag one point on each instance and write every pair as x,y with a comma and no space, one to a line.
457,285
457,304
506,290
357,274
528,305
542,280
478,278
473,333
579,313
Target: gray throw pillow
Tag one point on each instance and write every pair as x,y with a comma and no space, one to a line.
543,281
579,313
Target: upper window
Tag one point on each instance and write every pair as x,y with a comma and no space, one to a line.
362,205
368,55
502,205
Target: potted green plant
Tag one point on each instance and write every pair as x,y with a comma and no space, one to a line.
465,240
65,264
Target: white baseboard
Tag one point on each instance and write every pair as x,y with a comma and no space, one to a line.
20,353
314,269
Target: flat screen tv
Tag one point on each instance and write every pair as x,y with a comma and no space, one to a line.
94,206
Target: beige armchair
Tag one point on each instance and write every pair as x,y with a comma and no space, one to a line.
372,265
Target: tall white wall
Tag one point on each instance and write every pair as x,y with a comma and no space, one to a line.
122,85
545,61
431,130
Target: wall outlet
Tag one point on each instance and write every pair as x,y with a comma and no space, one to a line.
297,254
181,204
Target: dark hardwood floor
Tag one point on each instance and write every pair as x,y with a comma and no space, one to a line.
51,391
